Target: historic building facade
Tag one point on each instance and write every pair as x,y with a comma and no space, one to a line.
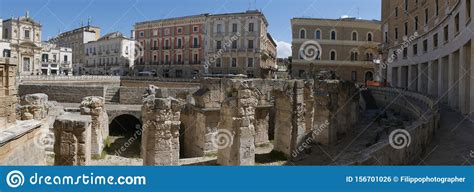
428,48
56,60
238,43
24,36
347,46
112,54
171,47
76,39
221,44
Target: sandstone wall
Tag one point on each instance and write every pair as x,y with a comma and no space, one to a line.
63,93
134,95
21,145
421,131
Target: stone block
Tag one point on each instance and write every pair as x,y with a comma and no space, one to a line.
72,140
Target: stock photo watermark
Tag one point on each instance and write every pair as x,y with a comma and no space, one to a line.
399,139
307,142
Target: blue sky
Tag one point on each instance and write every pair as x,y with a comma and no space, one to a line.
120,15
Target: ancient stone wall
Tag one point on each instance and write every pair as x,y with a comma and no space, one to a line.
420,132
133,95
95,107
64,93
20,144
160,138
34,106
72,144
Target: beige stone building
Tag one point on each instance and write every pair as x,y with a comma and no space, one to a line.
56,60
112,54
221,44
24,36
428,48
347,46
76,39
238,43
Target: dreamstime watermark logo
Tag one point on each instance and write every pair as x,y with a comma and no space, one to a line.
133,48
472,154
310,50
15,179
222,139
407,41
226,44
43,139
400,138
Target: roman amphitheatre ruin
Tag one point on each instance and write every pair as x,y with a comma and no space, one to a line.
105,120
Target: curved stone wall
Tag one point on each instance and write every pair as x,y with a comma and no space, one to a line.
421,131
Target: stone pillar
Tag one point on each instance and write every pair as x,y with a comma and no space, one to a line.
72,140
236,130
160,138
8,91
95,107
451,81
290,125
34,106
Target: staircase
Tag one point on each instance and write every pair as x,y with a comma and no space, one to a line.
112,95
370,102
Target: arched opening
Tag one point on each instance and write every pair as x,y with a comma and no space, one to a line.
125,134
369,76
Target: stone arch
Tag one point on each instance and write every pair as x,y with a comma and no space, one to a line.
124,124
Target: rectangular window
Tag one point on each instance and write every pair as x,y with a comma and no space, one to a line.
234,44
195,42
446,33
416,23
7,53
180,30
27,34
396,11
415,49
234,28
405,53
219,28
435,40
456,23
396,33
250,44
468,10
425,45
354,75
406,28
218,44
250,62
251,27
426,16
195,28
437,7
234,62
180,43
218,62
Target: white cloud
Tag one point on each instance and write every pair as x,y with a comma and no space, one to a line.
283,49
345,16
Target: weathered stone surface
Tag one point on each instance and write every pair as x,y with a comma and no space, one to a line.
34,106
72,140
236,134
95,107
290,115
160,138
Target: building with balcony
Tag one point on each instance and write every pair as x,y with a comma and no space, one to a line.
24,36
56,60
428,48
171,47
112,54
187,47
347,46
76,39
238,43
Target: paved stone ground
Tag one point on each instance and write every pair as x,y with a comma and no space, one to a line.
454,141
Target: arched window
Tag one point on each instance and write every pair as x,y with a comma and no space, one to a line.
354,36
333,35
354,56
369,56
333,55
369,37
318,34
302,34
